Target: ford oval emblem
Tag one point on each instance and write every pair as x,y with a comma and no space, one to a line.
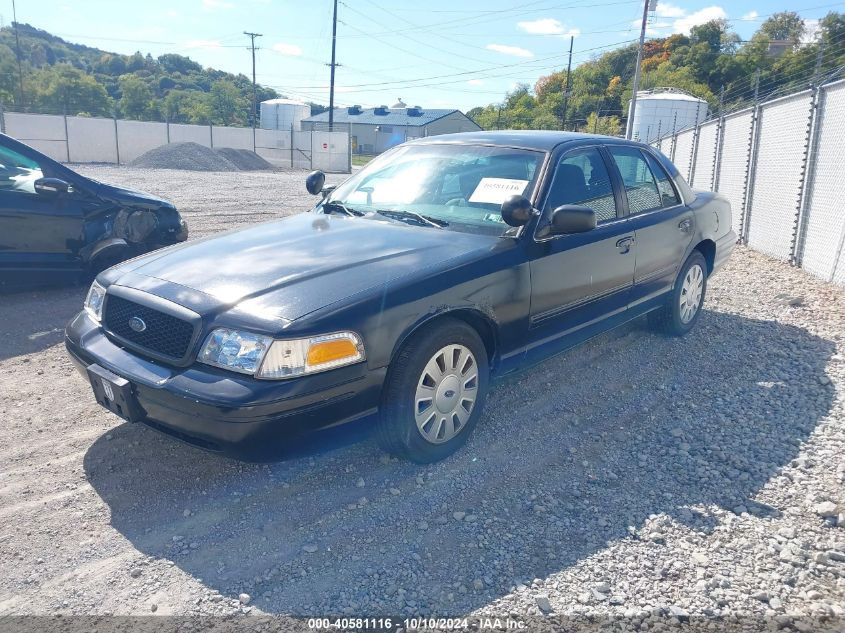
137,324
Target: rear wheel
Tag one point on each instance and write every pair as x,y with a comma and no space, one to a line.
683,307
434,393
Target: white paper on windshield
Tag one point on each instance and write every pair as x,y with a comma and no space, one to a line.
497,190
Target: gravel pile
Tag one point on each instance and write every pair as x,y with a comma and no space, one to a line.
196,157
654,482
244,159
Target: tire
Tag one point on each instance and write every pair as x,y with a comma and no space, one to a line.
421,429
682,310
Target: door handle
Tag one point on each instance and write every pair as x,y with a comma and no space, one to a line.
624,244
685,225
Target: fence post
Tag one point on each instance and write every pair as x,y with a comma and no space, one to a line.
2,119
211,135
750,172
116,140
693,155
811,141
67,137
291,145
720,140
167,127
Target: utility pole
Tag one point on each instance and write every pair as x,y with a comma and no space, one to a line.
252,37
333,64
756,85
629,128
566,89
18,54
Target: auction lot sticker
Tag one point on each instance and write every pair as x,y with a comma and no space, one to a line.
497,190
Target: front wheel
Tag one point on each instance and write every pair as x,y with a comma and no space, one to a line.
683,307
435,392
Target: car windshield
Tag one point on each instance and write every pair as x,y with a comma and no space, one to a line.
451,186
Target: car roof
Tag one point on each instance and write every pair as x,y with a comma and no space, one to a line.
544,140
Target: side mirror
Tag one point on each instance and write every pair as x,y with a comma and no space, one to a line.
50,186
571,218
517,210
315,181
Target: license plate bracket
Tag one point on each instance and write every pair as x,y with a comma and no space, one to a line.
114,393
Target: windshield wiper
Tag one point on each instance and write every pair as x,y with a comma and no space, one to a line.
425,219
331,206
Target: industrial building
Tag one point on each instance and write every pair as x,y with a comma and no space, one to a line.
664,111
374,130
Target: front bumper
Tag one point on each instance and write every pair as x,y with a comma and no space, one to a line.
223,411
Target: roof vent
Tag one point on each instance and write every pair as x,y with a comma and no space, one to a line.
381,111
415,111
353,110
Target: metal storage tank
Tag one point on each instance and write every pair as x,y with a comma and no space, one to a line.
281,114
662,111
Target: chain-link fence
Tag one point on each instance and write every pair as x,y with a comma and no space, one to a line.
779,164
77,139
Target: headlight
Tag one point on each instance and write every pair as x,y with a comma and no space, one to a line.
297,357
244,352
235,350
94,301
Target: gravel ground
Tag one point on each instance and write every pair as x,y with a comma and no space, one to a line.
653,480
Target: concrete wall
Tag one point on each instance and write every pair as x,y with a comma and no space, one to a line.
96,140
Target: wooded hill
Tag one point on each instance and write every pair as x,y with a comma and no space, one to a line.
711,59
62,77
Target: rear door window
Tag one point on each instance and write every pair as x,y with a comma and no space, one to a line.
640,183
668,195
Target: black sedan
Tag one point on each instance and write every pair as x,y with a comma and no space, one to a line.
444,263
57,226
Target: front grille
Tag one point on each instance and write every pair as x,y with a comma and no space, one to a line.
165,335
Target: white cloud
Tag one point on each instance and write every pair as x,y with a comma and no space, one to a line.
750,16
543,26
653,28
515,51
547,26
684,24
202,44
669,10
216,4
171,13
287,49
811,31
475,82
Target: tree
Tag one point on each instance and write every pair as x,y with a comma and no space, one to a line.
64,89
607,125
171,63
135,97
225,102
785,26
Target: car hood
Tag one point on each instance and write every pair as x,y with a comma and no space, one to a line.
291,267
131,197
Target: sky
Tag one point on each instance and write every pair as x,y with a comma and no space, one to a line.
436,53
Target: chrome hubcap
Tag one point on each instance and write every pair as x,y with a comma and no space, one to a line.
446,393
691,293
